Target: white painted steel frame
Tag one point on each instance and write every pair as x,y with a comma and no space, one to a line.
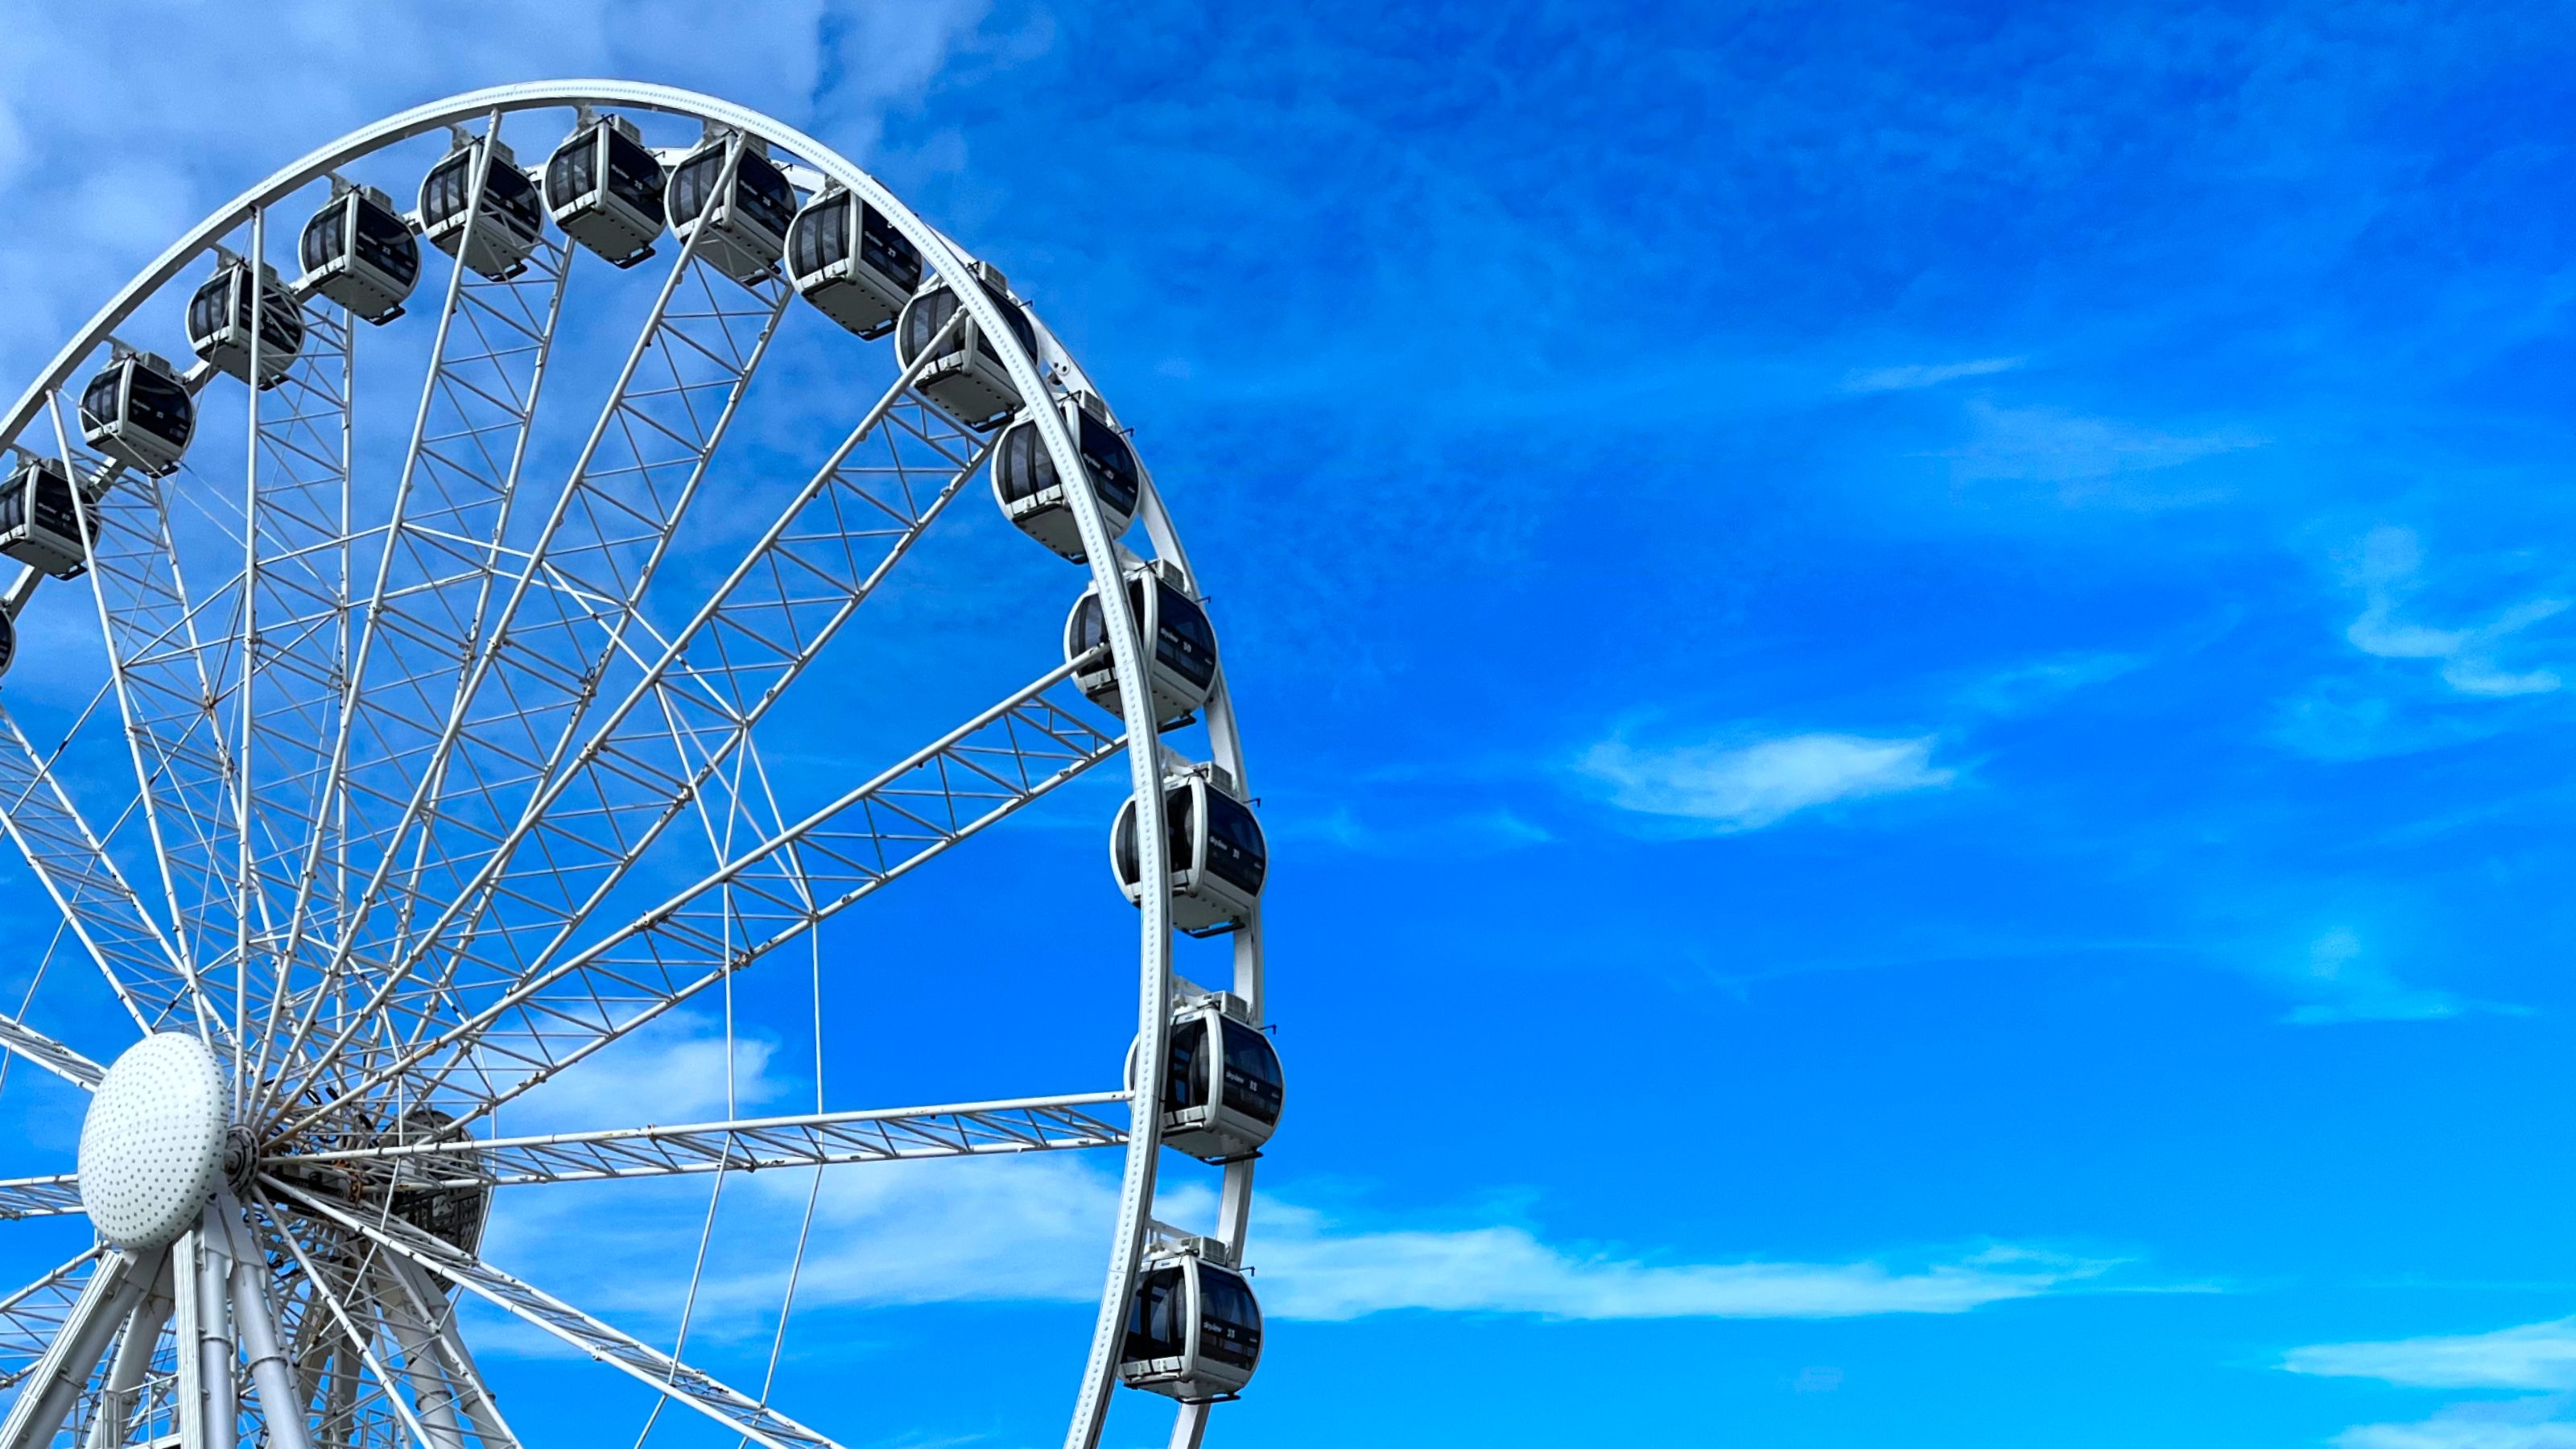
130,967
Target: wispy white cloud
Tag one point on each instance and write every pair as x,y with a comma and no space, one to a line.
1313,1268
1746,787
1035,1229
2349,984
673,1071
2518,1424
2079,453
1920,375
2533,1356
2388,569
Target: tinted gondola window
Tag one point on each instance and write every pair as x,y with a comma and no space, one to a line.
206,309
281,322
386,244
923,320
159,405
1024,468
515,196
1236,852
574,171
763,196
319,247
687,195
819,237
442,196
1229,1319
1186,1085
885,249
633,175
1176,848
1089,632
1112,462
1252,1084
1155,1327
98,404
1182,638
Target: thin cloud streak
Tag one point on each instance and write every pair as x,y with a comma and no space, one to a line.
2389,569
1737,788
1922,375
2533,1356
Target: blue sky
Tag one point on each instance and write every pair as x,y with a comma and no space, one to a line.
1908,669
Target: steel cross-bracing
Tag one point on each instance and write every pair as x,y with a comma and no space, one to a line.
822,1139
831,546
971,778
102,909
686,1385
405,676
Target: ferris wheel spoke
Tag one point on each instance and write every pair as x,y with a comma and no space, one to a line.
40,1197
973,777
295,634
23,1040
334,1281
170,662
518,713
574,605
442,558
668,1376
420,1301
820,1139
54,1384
825,554
32,1318
103,910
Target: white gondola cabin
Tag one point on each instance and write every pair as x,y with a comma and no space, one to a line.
1180,662
851,263
746,229
512,221
1214,843
42,516
1193,1329
8,641
964,375
1222,1089
1032,493
224,310
359,252
137,411
605,190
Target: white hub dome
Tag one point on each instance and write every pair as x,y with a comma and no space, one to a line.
152,1148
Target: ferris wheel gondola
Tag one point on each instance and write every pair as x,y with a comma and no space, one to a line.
605,190
359,252
851,263
226,310
965,373
746,226
505,228
1194,1330
1181,660
43,517
1032,493
1219,858
138,412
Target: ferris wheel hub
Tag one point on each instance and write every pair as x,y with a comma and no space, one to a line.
152,1147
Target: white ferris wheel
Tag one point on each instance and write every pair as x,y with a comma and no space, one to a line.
387,764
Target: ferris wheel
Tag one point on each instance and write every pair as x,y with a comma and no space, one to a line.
388,761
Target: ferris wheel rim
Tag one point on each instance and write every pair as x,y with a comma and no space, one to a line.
1104,559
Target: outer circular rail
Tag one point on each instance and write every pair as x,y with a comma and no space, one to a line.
1030,372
